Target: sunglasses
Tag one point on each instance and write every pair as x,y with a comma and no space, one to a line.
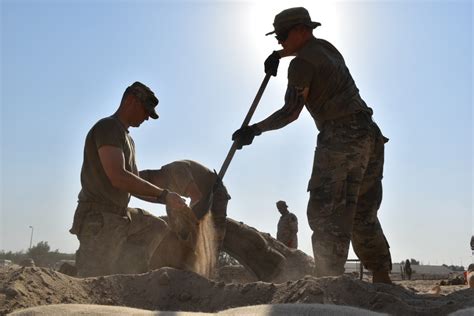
283,36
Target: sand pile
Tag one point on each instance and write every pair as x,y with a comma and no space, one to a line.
168,289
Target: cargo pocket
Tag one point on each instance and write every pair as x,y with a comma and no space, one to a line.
92,224
115,227
329,166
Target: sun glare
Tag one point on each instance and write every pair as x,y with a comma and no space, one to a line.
262,13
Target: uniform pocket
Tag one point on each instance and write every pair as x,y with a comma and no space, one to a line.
329,166
92,224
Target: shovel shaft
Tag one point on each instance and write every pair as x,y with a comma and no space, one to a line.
202,207
246,122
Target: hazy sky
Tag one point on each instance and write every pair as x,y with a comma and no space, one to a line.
65,65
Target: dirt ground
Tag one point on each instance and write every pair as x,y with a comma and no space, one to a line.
169,289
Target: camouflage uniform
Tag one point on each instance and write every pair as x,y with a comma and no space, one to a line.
345,186
408,270
288,229
113,237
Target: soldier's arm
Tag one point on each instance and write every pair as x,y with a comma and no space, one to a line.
294,224
113,162
295,99
155,177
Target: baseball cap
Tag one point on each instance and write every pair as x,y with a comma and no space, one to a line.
150,101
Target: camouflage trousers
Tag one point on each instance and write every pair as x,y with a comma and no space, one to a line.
112,244
345,195
288,239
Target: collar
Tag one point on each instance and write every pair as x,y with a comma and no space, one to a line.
311,42
120,122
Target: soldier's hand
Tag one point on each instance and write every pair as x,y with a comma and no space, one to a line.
271,63
173,200
245,135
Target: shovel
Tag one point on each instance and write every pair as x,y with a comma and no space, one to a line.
201,208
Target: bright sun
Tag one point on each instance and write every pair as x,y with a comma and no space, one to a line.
260,21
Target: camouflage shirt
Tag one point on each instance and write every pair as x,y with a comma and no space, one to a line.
332,91
287,230
96,186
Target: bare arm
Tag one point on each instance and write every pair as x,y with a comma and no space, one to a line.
158,178
113,162
295,99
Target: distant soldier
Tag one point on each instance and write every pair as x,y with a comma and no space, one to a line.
287,226
408,270
470,275
472,243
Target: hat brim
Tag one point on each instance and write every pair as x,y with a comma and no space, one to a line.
153,114
313,25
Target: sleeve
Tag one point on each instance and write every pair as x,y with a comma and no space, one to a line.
300,73
108,132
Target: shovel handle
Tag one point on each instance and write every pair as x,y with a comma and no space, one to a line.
246,122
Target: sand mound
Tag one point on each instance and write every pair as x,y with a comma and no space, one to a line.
168,289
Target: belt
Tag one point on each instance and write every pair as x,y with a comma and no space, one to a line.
361,116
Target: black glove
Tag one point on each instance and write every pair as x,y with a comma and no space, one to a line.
244,135
271,63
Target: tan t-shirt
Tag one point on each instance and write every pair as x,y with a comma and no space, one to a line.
96,186
179,174
332,91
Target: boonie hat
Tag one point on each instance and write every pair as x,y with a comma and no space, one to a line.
291,17
150,101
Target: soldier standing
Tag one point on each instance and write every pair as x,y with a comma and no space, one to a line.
408,270
346,182
287,226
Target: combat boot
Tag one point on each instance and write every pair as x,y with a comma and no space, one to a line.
381,276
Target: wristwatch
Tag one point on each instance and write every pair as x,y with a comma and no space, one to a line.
162,197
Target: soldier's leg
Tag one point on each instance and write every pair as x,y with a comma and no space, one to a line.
330,222
368,239
101,238
145,234
340,161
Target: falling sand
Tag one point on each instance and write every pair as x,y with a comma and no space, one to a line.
195,244
206,248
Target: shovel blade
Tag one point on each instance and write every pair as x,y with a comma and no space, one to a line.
203,206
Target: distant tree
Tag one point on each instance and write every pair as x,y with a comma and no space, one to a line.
41,254
454,268
414,262
40,249
15,257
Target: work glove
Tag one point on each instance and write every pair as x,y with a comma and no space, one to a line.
271,63
244,136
